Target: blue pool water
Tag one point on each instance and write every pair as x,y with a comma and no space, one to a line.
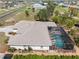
59,43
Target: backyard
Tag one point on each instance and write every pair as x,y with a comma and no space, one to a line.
62,18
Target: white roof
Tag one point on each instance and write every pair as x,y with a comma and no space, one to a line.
32,33
38,6
1,2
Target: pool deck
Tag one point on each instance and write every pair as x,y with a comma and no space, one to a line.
63,40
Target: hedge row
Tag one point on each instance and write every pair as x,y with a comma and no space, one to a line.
44,57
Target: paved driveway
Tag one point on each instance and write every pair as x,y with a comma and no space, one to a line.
6,29
5,56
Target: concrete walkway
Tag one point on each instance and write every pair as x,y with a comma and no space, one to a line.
6,29
2,55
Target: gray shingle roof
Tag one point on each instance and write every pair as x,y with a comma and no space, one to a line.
31,33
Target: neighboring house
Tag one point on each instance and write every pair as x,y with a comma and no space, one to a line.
78,3
38,6
6,4
32,34
2,4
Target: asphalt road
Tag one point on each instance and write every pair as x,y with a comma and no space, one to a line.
9,14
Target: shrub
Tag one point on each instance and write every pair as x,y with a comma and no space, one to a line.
72,32
29,49
12,49
77,41
44,57
27,12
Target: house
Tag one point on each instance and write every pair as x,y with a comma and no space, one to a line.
2,4
38,6
6,4
32,34
78,3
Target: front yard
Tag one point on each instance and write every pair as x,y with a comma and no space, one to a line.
44,57
21,15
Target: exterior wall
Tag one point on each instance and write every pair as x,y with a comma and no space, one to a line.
19,47
77,2
33,47
39,48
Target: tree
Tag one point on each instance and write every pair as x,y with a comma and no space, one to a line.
70,23
59,20
43,15
50,7
73,11
12,49
55,19
56,13
27,12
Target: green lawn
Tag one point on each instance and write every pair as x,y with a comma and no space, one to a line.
44,57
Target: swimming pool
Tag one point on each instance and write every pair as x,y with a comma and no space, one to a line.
58,40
